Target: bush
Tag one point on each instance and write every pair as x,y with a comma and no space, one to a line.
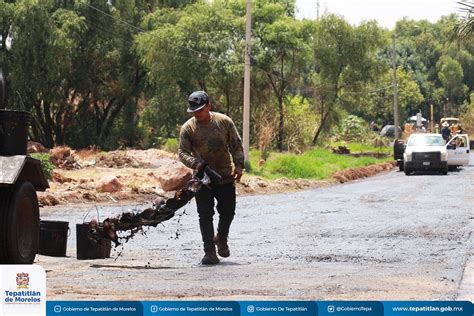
353,128
299,124
47,166
171,145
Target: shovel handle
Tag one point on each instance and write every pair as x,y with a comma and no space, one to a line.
212,174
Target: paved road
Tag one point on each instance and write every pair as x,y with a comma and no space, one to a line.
390,237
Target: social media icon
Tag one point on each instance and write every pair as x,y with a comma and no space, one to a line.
250,309
57,309
154,309
330,309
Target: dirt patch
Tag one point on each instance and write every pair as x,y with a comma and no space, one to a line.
117,159
362,172
138,172
63,158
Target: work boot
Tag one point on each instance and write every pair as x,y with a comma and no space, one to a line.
222,247
210,256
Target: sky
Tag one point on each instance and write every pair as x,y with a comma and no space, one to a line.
386,12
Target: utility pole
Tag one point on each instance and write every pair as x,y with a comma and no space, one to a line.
432,124
317,10
246,122
395,89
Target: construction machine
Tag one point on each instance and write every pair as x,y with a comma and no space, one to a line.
20,177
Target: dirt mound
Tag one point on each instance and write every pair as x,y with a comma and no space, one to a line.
47,199
34,147
86,153
117,159
141,172
362,172
57,177
152,157
63,158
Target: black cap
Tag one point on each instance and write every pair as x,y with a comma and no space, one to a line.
197,100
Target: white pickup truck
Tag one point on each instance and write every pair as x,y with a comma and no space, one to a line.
429,152
458,151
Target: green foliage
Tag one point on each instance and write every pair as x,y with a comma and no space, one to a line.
300,122
117,73
358,147
316,163
467,118
353,128
451,75
47,166
171,145
344,62
465,27
379,104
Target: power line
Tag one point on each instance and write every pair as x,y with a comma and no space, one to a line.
193,50
142,30
111,33
112,17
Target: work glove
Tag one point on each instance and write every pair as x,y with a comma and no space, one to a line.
200,167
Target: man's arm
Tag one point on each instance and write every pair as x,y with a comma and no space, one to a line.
236,150
185,150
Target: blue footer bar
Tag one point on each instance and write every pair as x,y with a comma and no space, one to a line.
260,308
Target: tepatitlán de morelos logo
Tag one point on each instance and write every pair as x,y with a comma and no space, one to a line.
22,280
22,290
23,294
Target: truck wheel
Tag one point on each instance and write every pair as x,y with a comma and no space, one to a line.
19,235
444,171
407,171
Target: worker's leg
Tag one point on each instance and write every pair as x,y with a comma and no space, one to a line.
205,207
225,196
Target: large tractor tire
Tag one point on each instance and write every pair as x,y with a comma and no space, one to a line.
19,215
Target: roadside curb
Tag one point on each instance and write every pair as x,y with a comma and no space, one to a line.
466,288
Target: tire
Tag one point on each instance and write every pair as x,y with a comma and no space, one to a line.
407,171
19,237
444,171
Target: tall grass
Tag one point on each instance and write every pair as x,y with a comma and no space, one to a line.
318,163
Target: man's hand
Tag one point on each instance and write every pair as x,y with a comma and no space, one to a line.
201,166
238,174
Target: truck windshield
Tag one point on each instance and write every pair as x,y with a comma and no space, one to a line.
434,140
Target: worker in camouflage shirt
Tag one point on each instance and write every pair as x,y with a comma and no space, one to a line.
210,138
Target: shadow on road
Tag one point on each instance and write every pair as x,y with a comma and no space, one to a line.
130,267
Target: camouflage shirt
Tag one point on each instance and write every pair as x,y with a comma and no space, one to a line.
217,142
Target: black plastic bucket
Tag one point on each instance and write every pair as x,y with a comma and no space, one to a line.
53,238
14,132
89,247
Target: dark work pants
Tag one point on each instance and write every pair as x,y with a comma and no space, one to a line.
225,196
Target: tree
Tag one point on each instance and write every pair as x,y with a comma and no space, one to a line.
73,65
344,59
199,47
465,28
44,47
380,105
281,51
451,76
